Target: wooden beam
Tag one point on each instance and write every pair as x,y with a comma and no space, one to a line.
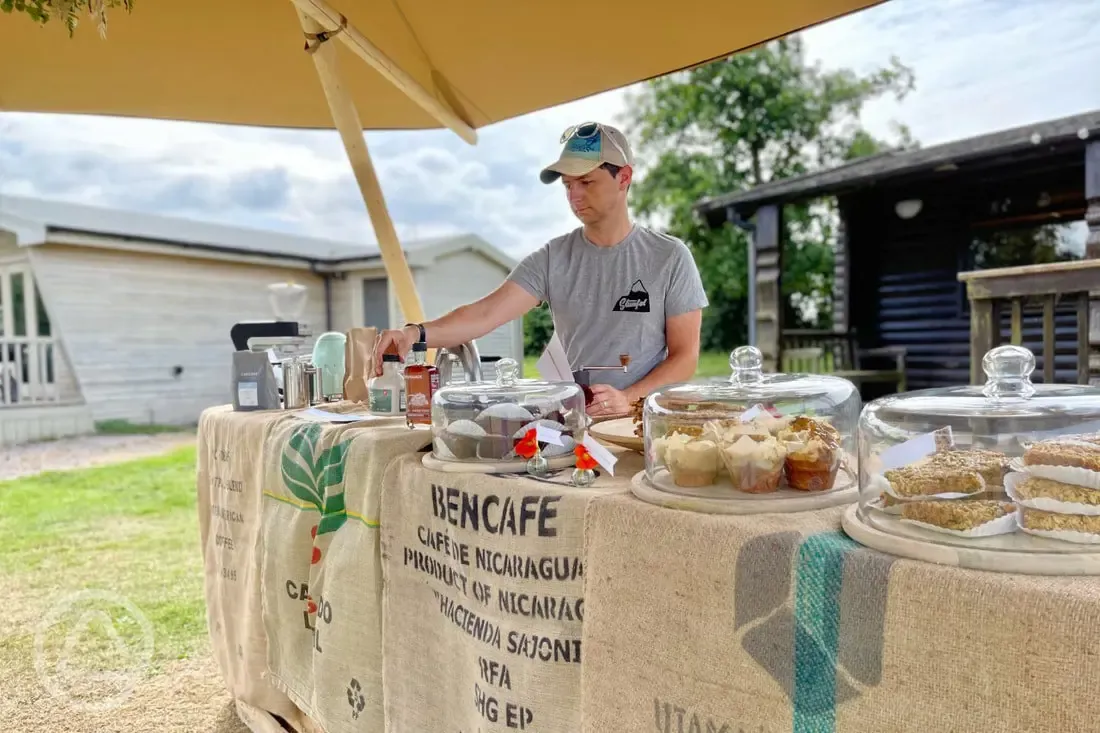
1083,348
1092,197
1050,338
346,118
767,251
984,335
842,276
327,19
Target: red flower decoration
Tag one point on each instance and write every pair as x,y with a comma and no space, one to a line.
585,461
529,445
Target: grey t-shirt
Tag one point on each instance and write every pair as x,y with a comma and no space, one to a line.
608,301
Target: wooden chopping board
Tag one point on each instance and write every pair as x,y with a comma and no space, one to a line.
620,432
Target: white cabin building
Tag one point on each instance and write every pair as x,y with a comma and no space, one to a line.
131,312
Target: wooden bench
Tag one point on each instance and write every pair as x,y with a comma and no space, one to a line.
812,351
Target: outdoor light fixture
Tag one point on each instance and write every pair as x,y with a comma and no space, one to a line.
908,208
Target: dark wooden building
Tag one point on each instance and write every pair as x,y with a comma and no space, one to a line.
911,222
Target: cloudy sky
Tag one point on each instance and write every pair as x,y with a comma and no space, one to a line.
980,65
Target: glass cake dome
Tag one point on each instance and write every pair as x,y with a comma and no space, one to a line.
756,436
1004,466
484,421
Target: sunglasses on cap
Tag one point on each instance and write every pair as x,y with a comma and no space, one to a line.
586,130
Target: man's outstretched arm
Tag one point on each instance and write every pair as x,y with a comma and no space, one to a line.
465,323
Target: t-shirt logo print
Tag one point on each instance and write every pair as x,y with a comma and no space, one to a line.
636,301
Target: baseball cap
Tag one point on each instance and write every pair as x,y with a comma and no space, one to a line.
588,146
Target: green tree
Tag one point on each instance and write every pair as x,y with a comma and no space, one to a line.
68,11
538,327
735,124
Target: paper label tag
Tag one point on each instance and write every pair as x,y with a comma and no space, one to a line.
914,449
317,414
602,455
553,365
751,414
544,434
248,394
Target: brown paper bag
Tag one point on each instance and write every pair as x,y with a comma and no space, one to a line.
358,362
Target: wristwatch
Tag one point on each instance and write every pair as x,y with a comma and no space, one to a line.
420,328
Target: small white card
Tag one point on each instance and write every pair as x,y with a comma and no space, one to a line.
752,413
544,434
553,365
313,412
248,394
602,455
911,450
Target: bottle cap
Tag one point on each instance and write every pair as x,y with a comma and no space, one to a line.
420,346
390,357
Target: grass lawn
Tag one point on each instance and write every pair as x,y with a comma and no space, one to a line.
129,529
711,364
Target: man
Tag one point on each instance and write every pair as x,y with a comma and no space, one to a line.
613,287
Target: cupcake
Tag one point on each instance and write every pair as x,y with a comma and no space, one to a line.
755,465
694,463
813,454
728,431
673,441
461,438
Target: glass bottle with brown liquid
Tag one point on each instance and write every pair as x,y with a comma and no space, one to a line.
421,384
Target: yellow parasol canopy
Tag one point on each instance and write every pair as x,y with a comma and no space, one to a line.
460,64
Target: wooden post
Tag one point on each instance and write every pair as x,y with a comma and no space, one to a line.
768,261
842,276
1092,198
985,333
346,118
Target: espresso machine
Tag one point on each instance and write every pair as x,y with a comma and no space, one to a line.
283,339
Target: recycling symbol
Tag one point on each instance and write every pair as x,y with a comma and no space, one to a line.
355,698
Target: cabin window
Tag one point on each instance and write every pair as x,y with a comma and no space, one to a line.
1033,245
376,303
13,291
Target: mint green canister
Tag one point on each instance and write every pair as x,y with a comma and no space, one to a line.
328,356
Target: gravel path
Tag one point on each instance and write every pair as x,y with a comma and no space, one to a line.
97,450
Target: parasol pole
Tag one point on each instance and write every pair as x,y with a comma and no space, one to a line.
346,119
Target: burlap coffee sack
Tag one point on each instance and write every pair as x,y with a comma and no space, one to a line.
230,484
347,581
482,615
781,623
720,623
304,472
967,650
320,596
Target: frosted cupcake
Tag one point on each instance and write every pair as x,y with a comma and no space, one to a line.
755,465
662,445
693,463
723,432
813,454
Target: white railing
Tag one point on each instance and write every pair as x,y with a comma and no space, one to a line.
28,370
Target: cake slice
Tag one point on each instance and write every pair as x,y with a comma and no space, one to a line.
1034,487
929,479
957,515
1052,522
1074,452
